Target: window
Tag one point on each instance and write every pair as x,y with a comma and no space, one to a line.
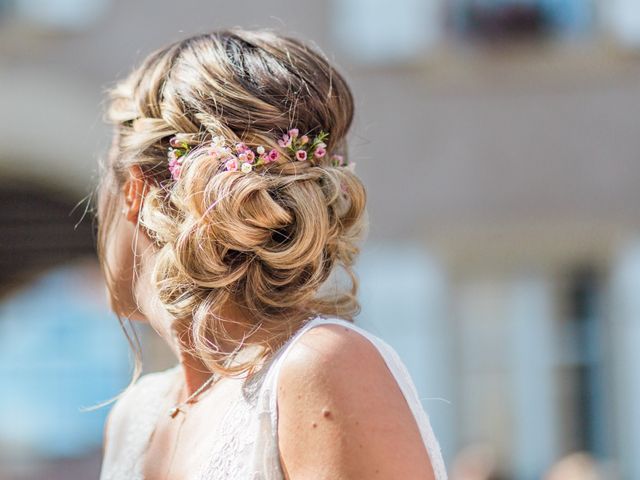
65,15
378,32
514,20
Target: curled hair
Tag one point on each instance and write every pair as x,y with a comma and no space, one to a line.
265,241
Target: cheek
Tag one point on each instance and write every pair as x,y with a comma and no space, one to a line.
119,258
120,255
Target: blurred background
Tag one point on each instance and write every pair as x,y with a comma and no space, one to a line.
499,142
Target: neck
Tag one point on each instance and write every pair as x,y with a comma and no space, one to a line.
150,309
195,373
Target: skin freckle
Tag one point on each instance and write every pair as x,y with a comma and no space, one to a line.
314,424
326,413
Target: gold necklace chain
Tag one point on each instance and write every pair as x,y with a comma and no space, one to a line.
174,449
176,409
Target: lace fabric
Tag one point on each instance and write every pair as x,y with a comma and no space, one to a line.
246,447
126,462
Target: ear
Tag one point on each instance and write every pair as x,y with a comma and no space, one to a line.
134,190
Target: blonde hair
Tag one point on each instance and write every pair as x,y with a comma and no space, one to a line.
266,242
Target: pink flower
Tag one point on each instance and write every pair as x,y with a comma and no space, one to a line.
231,165
301,155
338,160
272,156
217,141
179,140
250,156
320,152
285,141
293,133
304,140
241,147
215,151
174,168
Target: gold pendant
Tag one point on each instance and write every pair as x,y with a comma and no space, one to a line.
173,413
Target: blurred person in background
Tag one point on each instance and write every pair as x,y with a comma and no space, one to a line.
476,462
576,466
226,206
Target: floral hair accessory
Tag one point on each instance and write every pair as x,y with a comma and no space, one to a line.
245,159
179,148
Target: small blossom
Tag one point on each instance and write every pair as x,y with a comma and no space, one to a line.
217,141
175,158
231,165
338,160
301,155
179,140
352,166
285,141
294,132
246,167
174,168
322,144
273,155
241,147
250,155
304,140
260,150
320,152
215,151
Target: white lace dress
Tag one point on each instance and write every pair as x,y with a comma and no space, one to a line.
247,448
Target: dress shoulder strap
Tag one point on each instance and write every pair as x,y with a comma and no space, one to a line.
393,362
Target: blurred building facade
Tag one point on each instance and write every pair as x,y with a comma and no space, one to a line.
498,140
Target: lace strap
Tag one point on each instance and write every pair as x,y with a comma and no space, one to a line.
393,361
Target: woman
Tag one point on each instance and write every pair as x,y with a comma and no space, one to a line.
225,210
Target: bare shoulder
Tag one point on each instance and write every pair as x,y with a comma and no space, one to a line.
342,413
115,432
115,428
127,409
